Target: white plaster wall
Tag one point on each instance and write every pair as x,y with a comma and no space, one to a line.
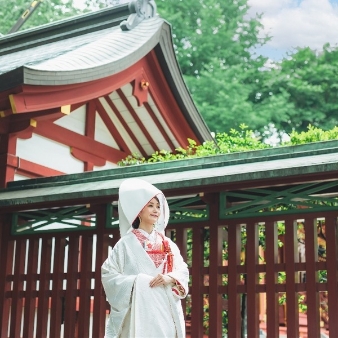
75,121
51,154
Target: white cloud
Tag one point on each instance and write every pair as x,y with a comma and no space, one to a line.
298,23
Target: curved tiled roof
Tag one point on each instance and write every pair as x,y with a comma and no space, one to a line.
92,47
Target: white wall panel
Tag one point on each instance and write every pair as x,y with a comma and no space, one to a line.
75,121
51,154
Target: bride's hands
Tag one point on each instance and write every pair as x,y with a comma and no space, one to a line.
161,280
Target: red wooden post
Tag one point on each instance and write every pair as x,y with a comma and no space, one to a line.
71,290
17,300
181,241
215,278
251,261
57,290
332,272
7,256
312,296
234,260
197,283
102,241
85,287
30,298
271,258
291,257
43,293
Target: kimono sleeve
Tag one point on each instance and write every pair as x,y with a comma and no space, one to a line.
180,273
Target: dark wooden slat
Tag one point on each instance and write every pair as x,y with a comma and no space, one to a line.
312,296
7,256
43,299
30,300
271,258
197,284
251,260
332,273
234,252
56,294
215,278
71,289
17,301
85,269
291,257
181,241
102,242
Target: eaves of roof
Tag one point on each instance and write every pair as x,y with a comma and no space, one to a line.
182,175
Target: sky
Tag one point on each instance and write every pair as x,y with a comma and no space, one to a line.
291,24
296,23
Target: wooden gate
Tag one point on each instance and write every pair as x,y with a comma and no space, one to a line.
246,249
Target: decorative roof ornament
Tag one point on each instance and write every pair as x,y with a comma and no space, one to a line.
140,10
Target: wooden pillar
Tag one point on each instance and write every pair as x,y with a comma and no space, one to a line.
7,255
100,303
251,261
197,282
215,261
271,258
17,300
234,260
7,150
312,294
30,298
291,257
71,290
332,272
85,285
57,291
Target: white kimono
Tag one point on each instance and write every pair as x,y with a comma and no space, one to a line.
137,310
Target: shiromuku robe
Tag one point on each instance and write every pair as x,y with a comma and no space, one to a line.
137,310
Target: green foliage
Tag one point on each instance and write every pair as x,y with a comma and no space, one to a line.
313,134
215,43
301,90
47,11
234,141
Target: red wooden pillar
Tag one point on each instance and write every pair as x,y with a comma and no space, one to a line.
85,285
291,257
197,282
102,242
215,261
181,241
71,290
30,298
7,150
332,272
271,258
7,255
312,295
234,260
57,291
251,261
17,300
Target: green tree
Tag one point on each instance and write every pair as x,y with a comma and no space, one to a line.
302,90
215,43
48,11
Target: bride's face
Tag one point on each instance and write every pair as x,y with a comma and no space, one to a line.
151,212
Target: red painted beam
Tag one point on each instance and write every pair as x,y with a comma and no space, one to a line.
138,120
87,157
35,98
166,102
126,126
81,142
111,127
